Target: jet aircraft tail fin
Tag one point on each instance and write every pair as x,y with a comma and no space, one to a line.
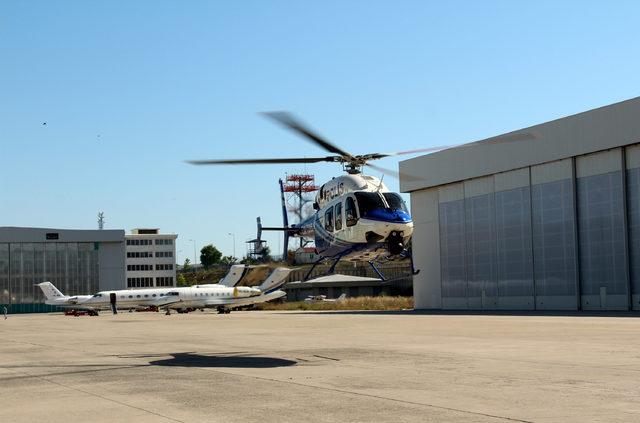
275,279
236,273
50,291
342,297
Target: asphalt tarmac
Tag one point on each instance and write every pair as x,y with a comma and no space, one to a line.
319,367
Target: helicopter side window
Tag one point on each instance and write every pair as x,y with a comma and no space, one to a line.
328,220
350,211
338,212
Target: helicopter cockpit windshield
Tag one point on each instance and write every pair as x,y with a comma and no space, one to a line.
371,203
395,201
368,202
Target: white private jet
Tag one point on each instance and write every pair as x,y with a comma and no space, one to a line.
185,299
324,299
223,295
56,298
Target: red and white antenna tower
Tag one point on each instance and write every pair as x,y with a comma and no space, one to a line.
299,189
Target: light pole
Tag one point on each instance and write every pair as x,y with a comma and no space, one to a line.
195,262
234,244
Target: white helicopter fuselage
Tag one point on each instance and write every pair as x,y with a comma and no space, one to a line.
358,218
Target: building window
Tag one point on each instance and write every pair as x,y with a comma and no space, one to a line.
139,283
164,281
164,266
139,254
139,267
164,242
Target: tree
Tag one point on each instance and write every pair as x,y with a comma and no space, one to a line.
248,260
209,255
181,280
265,254
187,265
228,260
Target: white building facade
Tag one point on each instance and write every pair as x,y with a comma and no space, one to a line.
150,258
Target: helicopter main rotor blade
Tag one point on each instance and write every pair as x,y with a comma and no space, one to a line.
514,137
393,173
376,156
264,161
287,120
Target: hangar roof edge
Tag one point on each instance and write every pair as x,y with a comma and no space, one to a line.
587,132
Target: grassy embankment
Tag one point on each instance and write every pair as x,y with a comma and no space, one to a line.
356,303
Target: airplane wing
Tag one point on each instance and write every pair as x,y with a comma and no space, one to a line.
259,298
165,301
237,302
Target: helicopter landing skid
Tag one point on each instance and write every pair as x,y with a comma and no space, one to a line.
375,269
313,266
331,269
413,269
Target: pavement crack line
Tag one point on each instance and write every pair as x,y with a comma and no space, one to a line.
74,372
345,391
99,396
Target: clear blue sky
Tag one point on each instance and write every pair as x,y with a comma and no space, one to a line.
164,81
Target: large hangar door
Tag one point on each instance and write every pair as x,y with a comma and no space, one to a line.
554,236
514,241
479,202
601,229
633,210
453,270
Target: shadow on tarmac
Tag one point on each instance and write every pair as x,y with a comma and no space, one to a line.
235,361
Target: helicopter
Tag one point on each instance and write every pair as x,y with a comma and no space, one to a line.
356,218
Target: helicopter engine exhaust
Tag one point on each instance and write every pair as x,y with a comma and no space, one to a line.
395,243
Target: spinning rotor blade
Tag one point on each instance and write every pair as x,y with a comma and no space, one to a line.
295,125
376,156
393,173
263,161
519,136
422,150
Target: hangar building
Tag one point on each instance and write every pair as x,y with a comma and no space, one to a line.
543,218
75,261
